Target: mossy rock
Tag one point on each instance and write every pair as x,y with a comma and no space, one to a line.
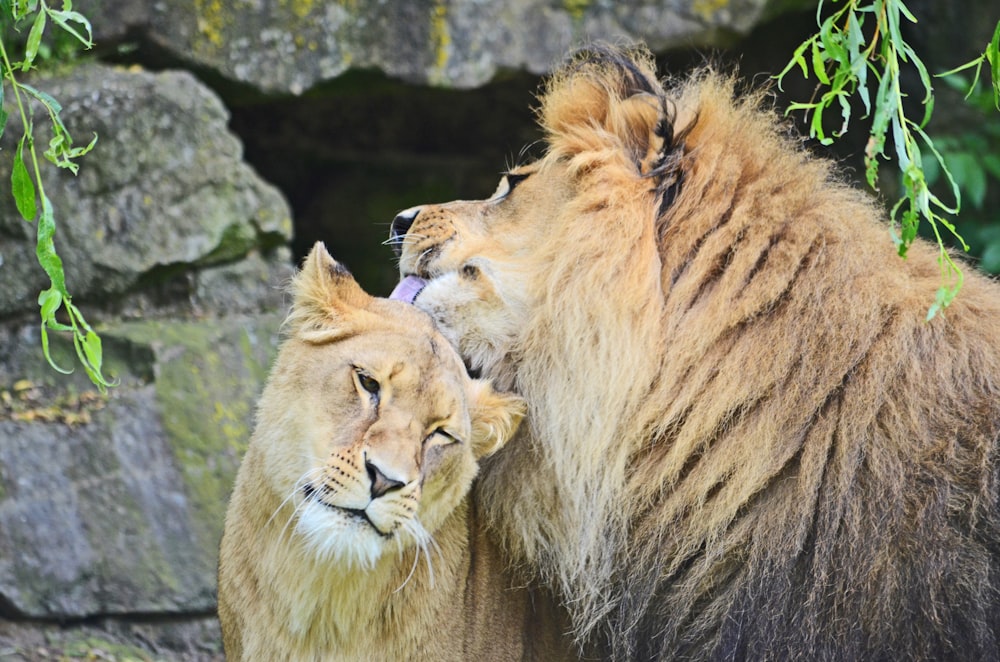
123,513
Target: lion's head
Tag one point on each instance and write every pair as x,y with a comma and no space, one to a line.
482,269
370,426
738,415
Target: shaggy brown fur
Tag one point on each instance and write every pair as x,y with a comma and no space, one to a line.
745,441
366,444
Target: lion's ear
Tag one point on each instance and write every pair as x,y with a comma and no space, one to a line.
608,99
641,123
495,418
326,298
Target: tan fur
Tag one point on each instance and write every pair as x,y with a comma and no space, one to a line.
300,578
745,441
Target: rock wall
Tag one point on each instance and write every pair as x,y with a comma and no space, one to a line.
111,507
177,249
290,45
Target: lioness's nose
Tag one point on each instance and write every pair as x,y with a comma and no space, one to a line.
400,226
381,484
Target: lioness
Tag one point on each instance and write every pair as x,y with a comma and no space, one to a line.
744,439
349,535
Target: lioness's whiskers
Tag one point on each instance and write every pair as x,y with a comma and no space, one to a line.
304,479
427,539
413,568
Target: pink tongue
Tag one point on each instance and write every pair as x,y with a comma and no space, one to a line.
408,289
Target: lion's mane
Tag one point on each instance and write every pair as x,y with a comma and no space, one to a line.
746,441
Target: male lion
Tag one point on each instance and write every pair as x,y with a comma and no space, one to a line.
366,444
744,440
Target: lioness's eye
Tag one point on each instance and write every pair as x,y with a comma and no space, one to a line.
367,382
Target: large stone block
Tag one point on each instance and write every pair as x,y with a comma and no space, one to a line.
116,505
290,45
164,191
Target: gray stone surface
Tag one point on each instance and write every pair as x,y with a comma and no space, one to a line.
164,190
290,45
177,250
115,505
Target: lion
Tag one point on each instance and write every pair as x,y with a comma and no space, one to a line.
366,442
744,439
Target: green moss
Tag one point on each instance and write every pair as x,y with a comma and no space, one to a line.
301,8
211,19
95,648
440,41
707,9
576,8
208,377
236,241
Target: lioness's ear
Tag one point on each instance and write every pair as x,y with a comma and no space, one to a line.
325,298
495,418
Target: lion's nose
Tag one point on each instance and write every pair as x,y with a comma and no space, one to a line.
400,226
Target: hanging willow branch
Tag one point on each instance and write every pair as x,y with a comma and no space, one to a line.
860,51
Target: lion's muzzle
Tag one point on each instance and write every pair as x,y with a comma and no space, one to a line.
400,226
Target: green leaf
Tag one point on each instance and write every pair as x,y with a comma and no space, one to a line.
51,105
936,306
21,185
48,356
906,12
892,38
92,350
88,347
925,80
993,56
959,82
22,8
34,39
65,18
819,64
49,302
797,59
900,142
60,151
859,64
908,228
960,158
45,249
816,126
3,113
845,113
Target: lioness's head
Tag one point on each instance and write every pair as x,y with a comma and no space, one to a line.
579,220
370,426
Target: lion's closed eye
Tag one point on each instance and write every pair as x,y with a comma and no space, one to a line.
441,437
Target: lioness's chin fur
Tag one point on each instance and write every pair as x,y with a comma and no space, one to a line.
745,441
349,534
